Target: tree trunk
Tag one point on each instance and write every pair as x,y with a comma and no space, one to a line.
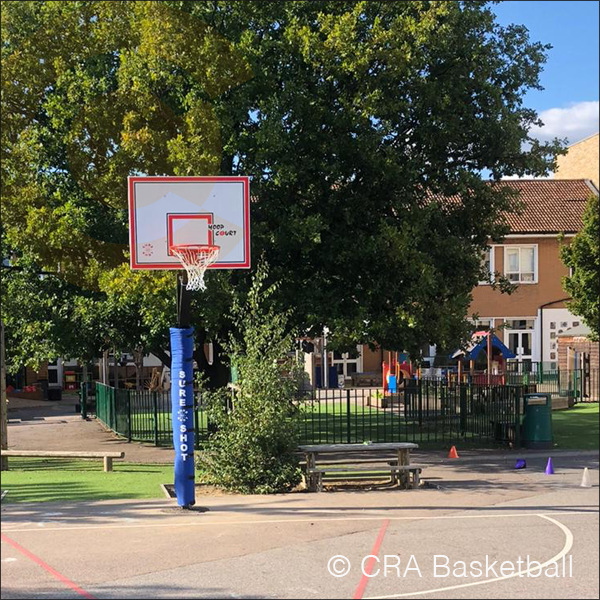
138,359
116,371
105,374
218,373
164,358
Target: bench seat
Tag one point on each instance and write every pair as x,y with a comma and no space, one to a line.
107,456
315,474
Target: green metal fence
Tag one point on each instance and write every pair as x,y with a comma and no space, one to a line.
141,415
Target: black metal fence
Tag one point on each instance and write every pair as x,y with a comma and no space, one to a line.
575,385
426,410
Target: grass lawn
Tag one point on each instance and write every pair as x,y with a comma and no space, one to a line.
50,480
577,428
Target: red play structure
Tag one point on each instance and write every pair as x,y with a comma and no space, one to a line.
394,373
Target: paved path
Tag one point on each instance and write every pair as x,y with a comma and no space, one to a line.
280,546
55,426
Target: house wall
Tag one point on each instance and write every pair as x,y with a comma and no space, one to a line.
527,300
528,297
581,162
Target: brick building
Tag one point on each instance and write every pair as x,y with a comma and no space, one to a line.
529,320
582,161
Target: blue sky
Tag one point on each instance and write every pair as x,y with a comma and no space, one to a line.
569,103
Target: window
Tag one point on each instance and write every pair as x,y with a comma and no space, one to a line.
552,325
519,264
520,323
482,324
487,264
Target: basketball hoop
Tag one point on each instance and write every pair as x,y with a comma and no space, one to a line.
196,258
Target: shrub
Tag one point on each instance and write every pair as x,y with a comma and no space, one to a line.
253,448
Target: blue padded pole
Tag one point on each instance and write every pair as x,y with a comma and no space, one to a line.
182,407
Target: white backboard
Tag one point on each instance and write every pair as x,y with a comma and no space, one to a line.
166,211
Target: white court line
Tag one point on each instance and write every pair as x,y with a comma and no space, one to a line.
524,572
305,520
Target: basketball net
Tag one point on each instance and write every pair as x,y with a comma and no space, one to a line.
196,259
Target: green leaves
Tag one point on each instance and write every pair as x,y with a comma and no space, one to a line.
582,255
347,115
253,449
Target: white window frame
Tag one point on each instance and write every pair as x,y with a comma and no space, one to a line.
492,251
492,321
519,247
345,360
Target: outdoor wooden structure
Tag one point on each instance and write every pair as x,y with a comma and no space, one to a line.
401,470
107,456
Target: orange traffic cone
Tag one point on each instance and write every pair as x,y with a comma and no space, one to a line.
453,453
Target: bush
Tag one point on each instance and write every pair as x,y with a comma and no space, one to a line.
253,448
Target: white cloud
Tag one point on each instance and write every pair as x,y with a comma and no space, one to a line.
575,122
549,176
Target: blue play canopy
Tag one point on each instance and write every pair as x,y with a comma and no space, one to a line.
481,345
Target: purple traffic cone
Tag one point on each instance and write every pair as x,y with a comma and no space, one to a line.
521,463
550,467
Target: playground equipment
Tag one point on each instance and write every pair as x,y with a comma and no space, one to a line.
191,223
395,373
496,354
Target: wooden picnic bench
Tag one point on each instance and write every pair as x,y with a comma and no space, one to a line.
401,470
107,456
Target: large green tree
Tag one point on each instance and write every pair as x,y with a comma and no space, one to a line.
351,117
582,255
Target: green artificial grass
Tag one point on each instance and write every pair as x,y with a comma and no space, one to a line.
54,480
576,428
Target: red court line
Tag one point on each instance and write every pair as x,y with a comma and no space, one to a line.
360,590
47,568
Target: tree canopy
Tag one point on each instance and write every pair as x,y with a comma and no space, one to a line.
351,118
582,255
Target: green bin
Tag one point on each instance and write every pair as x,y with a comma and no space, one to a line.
537,421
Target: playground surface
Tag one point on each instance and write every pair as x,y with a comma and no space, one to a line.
281,546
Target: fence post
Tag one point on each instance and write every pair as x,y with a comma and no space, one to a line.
155,406
129,436
113,408
463,406
420,400
518,392
348,416
83,396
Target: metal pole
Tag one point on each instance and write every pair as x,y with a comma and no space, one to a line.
489,357
324,361
348,416
184,298
3,399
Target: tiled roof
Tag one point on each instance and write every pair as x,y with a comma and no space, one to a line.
549,205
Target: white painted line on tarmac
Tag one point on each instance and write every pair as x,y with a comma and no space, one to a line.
522,573
10,559
304,520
